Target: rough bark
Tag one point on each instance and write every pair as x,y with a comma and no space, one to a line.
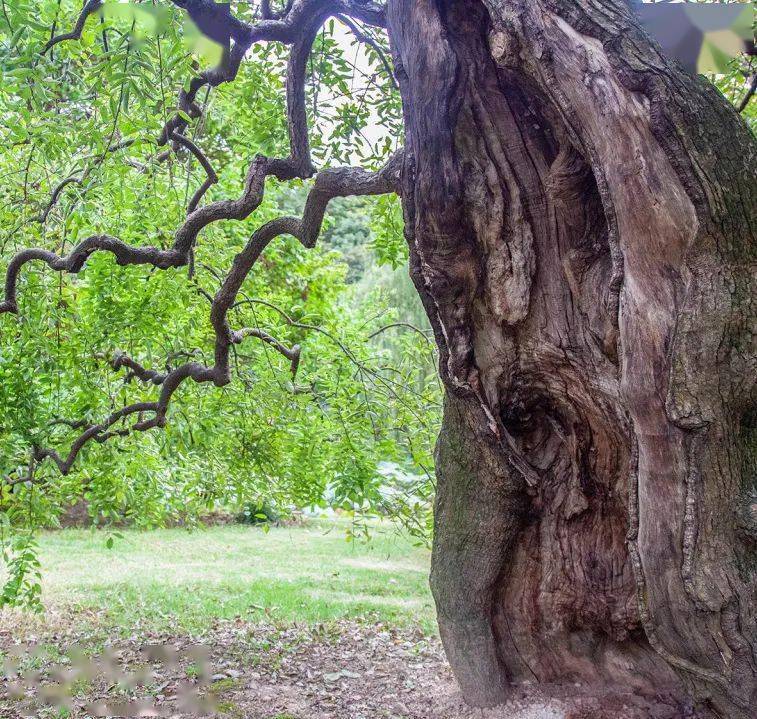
581,219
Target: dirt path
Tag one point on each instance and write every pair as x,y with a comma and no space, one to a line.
243,670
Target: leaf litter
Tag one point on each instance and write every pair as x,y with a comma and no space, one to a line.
242,669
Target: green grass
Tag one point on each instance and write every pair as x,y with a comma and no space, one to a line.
179,580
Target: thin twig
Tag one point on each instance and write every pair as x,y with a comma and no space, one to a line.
749,94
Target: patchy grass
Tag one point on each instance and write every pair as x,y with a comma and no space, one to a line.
181,581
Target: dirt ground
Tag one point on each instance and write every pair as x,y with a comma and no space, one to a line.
243,670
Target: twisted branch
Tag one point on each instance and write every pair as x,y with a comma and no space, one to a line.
297,165
291,353
289,29
301,18
330,183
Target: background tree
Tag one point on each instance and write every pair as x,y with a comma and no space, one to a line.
580,220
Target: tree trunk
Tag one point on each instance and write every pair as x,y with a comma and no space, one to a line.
581,220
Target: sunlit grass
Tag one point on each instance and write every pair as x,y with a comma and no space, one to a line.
180,580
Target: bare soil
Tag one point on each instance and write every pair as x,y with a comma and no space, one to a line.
244,670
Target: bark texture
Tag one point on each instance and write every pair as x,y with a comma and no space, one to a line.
581,218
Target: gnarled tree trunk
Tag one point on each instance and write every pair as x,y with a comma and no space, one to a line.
581,218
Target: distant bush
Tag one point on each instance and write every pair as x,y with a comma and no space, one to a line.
260,512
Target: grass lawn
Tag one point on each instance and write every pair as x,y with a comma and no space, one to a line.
180,580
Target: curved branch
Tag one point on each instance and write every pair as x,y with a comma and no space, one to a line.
330,183
301,325
407,325
295,25
215,20
299,161
136,370
176,256
343,182
73,262
198,153
212,178
90,7
225,71
56,195
298,27
291,353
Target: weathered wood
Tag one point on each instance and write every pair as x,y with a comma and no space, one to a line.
581,217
